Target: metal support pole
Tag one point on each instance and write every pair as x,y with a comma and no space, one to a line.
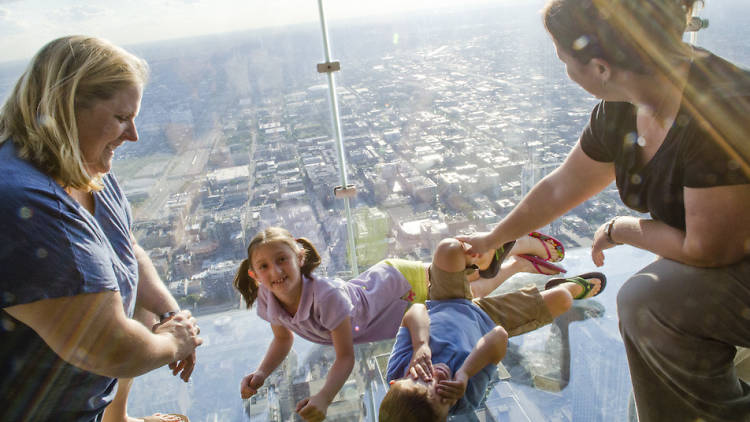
328,67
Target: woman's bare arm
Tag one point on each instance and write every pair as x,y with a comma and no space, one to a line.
576,180
717,228
92,332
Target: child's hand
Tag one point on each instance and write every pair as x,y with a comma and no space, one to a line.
452,390
420,365
251,384
313,408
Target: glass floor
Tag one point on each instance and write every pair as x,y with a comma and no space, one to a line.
572,370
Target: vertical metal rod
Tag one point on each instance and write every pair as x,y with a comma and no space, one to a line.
352,247
696,9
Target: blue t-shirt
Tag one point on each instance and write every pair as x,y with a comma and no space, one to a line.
456,325
51,247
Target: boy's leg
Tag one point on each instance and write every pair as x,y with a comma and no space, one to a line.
560,297
518,312
481,287
527,309
448,272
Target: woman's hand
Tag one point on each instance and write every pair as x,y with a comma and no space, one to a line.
452,390
420,365
602,241
478,243
184,328
251,383
313,408
182,367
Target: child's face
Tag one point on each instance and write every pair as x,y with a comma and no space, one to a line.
277,268
440,372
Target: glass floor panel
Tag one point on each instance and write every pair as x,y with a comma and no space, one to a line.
572,370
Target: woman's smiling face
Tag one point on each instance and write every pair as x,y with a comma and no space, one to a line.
105,125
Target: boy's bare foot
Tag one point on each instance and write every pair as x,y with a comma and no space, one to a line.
582,286
540,245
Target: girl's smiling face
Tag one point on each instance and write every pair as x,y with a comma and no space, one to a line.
277,268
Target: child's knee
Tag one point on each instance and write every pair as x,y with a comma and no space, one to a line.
558,300
450,255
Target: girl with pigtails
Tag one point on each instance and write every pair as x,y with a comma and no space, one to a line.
278,276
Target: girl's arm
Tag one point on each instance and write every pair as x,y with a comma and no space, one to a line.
417,321
314,408
489,349
717,230
277,351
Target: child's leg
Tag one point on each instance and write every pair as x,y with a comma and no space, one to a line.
450,256
560,297
116,411
481,287
537,244
518,312
448,272
527,309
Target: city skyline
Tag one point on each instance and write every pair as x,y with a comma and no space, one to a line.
26,25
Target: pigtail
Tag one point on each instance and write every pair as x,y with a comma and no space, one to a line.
245,284
312,257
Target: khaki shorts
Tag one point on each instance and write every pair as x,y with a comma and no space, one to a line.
518,312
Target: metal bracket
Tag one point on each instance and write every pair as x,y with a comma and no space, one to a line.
329,67
695,24
350,191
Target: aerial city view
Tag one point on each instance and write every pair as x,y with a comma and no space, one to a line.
448,118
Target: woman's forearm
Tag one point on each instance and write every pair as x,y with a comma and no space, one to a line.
576,180
92,332
666,241
128,352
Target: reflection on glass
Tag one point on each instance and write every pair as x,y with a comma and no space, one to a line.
448,118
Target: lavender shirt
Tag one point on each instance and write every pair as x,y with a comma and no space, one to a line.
372,300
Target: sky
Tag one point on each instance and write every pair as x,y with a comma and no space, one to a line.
26,25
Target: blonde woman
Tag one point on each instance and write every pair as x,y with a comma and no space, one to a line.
70,269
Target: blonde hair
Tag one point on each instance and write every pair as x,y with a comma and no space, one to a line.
248,285
67,74
408,402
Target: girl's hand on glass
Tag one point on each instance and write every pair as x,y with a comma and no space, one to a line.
420,365
251,383
313,408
